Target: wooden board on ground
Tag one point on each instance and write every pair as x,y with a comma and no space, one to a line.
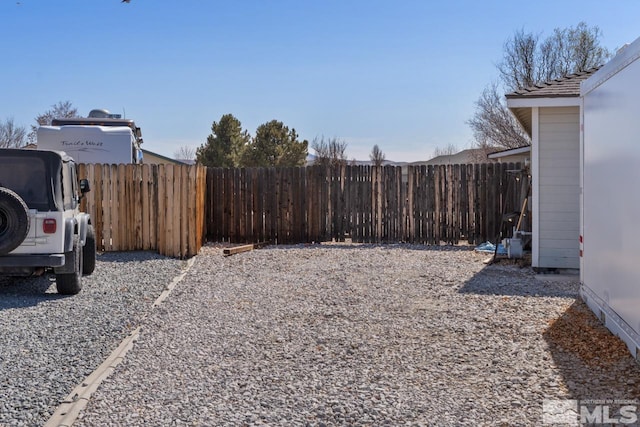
243,248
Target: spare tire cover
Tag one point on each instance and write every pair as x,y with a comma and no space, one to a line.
14,220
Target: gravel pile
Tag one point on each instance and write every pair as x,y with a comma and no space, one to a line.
50,343
356,335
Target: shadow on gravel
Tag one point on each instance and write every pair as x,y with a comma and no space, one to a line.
25,292
363,246
515,281
594,363
126,256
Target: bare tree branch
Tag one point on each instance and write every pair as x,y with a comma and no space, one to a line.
377,156
329,152
185,152
446,151
63,109
528,61
493,124
12,136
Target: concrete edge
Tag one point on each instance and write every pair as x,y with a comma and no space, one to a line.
68,411
70,407
167,291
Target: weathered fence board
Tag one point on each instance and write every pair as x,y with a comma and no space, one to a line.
169,208
428,204
148,207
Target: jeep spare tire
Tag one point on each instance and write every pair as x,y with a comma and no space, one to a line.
14,220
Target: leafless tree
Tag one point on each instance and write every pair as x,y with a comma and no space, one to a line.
12,136
185,152
329,152
528,61
446,151
493,123
377,156
519,64
63,109
572,50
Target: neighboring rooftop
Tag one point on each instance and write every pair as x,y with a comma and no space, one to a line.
568,86
157,159
522,152
470,155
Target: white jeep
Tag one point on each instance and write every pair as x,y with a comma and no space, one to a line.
41,226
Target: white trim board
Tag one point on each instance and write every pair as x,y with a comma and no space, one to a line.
535,186
573,101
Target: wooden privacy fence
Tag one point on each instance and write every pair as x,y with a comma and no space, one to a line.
147,207
430,204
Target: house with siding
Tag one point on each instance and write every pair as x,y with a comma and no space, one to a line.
152,158
550,113
512,155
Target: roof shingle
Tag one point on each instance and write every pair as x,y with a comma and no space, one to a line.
568,86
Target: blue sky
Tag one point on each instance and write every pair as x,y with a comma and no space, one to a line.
402,74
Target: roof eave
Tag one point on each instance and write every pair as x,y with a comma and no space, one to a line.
521,107
524,117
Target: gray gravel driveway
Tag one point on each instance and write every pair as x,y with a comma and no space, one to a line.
361,335
50,343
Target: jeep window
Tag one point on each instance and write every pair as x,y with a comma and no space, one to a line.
28,178
74,182
68,188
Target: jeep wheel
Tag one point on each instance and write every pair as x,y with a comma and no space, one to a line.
71,283
89,252
14,221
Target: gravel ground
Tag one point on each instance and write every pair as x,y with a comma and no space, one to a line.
50,343
360,335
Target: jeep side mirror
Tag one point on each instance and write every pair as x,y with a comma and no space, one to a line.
84,186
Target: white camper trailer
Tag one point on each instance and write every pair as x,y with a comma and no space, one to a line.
610,171
99,138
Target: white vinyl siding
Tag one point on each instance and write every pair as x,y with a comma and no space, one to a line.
559,187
